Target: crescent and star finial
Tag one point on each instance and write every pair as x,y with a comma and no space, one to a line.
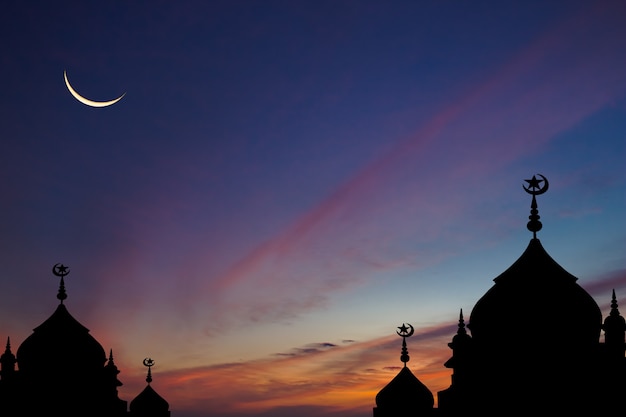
404,332
149,362
61,270
535,188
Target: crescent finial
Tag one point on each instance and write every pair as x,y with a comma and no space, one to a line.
149,363
61,270
406,330
535,188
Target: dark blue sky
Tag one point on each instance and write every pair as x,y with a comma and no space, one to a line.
293,175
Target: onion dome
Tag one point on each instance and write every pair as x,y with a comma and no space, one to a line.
405,394
536,298
61,344
148,403
536,301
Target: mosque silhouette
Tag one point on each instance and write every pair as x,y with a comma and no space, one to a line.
64,371
533,347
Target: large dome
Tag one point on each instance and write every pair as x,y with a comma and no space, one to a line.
60,342
61,348
536,301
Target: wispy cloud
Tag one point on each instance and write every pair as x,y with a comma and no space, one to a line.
341,377
525,103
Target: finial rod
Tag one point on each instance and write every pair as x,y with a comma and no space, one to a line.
535,188
149,362
405,332
61,270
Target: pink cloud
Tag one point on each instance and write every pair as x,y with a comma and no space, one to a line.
512,114
332,377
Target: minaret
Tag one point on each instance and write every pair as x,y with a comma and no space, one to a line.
111,382
612,374
7,363
456,396
614,332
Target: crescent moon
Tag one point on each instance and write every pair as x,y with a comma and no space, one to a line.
148,362
409,334
86,101
541,190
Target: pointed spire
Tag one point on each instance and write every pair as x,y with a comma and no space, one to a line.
614,311
405,332
7,360
534,188
149,363
61,270
614,327
461,329
460,339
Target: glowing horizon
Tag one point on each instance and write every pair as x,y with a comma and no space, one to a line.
283,186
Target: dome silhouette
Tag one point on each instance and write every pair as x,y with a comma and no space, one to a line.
148,403
58,343
62,370
405,394
560,307
535,344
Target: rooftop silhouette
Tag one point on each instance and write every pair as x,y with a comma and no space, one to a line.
536,342
62,370
534,346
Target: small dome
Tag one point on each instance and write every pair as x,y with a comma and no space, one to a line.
405,392
148,402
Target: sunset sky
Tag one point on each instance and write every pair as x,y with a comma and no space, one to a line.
285,183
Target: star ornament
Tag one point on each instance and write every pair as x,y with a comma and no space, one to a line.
534,183
536,186
60,270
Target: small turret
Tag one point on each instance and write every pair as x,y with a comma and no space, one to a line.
405,395
148,403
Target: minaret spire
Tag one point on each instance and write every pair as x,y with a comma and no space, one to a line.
405,332
61,270
461,329
614,327
7,362
534,188
149,363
